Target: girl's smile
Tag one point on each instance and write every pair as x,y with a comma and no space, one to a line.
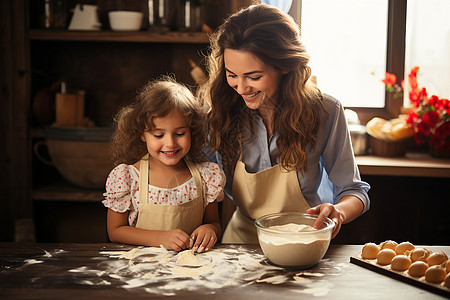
170,140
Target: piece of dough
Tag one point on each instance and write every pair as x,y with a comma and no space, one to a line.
403,247
385,256
436,258
400,263
370,251
418,268
188,258
435,274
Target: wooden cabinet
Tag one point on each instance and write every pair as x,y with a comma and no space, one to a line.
108,66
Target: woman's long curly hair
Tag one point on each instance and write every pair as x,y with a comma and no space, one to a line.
157,99
273,37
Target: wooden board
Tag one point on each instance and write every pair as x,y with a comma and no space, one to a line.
420,282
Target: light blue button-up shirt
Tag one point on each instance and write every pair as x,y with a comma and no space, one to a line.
331,172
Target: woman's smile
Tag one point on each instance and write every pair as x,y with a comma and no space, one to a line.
255,81
250,97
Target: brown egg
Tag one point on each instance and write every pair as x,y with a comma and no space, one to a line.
403,247
385,256
420,254
418,268
370,251
436,258
435,274
447,266
388,245
400,263
447,280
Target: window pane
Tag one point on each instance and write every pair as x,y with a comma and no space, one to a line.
428,45
347,43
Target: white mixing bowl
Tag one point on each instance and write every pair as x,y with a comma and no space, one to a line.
293,248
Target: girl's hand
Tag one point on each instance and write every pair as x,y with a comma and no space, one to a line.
204,238
175,239
327,210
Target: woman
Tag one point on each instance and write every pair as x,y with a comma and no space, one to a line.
283,145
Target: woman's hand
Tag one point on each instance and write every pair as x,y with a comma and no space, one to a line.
327,210
175,239
204,237
348,209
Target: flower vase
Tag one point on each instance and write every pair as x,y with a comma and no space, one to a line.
439,153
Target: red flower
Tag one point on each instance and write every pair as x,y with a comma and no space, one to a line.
423,129
430,119
435,101
429,116
443,104
390,79
412,78
412,118
414,98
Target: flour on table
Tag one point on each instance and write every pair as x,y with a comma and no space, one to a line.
274,279
33,261
129,254
159,271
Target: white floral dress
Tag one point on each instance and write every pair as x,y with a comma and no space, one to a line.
122,189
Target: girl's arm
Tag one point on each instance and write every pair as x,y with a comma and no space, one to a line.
119,231
207,235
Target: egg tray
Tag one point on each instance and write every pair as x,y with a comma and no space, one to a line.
420,282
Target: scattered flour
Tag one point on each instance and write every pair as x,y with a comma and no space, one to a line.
129,254
164,272
33,261
274,279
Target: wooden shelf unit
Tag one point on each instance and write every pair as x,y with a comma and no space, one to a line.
116,36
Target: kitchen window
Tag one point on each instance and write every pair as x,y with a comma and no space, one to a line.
353,43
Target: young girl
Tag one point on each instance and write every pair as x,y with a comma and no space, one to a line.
160,193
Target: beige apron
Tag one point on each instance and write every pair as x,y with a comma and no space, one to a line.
256,194
187,216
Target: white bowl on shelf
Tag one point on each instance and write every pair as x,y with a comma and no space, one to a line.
125,20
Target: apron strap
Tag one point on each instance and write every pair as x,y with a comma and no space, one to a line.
197,178
143,179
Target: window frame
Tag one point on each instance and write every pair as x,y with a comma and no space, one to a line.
395,63
395,58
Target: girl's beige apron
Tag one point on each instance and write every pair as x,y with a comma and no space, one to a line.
256,194
187,216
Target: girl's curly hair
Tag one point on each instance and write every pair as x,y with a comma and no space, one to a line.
157,99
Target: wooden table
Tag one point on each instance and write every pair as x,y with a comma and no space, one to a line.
97,271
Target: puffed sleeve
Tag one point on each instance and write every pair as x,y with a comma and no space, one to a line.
120,189
213,182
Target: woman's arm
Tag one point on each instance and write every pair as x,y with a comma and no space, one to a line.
119,231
